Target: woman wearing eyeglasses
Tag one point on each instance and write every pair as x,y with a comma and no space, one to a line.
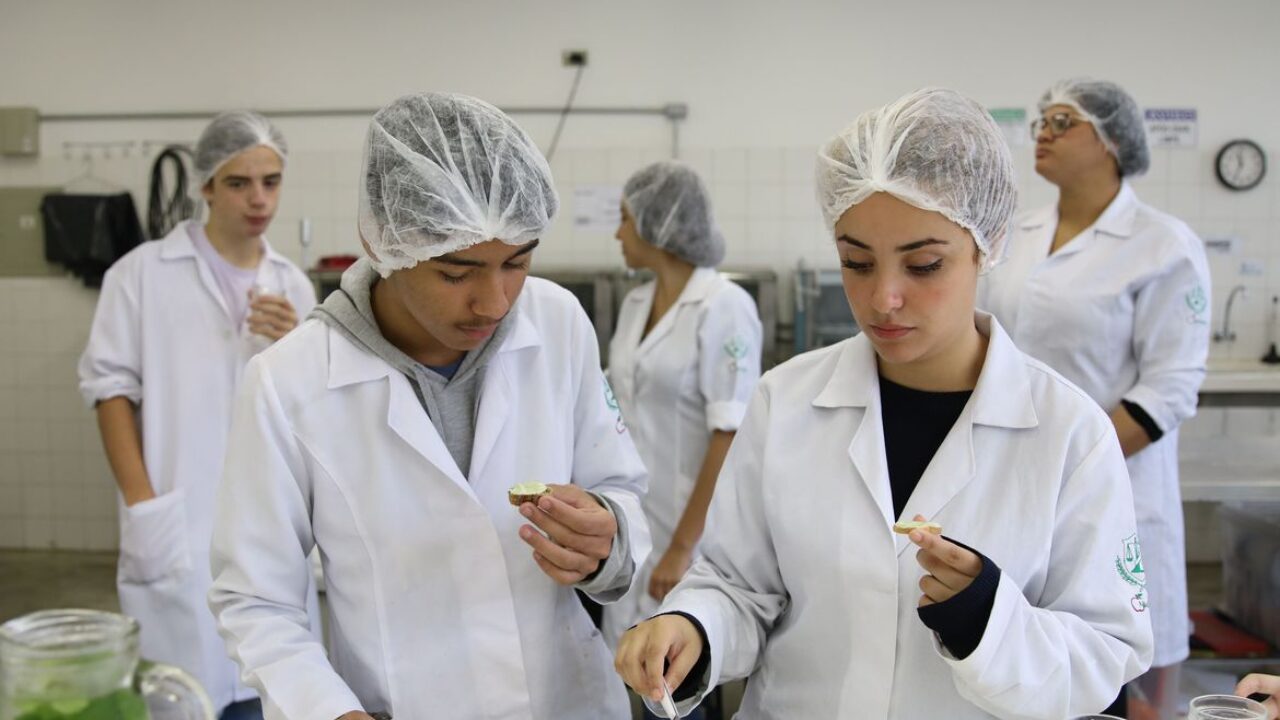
1114,294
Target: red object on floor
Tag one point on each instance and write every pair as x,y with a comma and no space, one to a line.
1224,638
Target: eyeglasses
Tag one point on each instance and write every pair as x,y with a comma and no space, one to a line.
1058,123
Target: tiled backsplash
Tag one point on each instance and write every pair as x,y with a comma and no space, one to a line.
56,489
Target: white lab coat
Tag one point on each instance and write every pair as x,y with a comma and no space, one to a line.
1123,312
691,375
163,338
804,586
437,607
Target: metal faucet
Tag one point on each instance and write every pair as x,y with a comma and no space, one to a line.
1226,334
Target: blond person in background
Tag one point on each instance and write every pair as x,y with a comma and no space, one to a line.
177,321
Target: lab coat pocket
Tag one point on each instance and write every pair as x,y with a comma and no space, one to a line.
153,540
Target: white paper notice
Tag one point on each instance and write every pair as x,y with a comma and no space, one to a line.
596,208
1172,127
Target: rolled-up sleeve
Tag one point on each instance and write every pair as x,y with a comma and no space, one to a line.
1171,337
111,364
729,340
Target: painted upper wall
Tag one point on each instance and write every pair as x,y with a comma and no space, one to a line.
753,73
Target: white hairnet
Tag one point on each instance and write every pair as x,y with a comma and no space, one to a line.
672,210
444,172
934,149
1112,112
230,134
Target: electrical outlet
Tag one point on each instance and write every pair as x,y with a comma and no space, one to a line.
573,58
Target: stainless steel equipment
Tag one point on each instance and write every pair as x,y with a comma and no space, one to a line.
822,310
594,288
325,281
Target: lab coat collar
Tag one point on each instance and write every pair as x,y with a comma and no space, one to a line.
349,364
643,294
699,285
1002,397
695,290
1117,220
177,244
854,378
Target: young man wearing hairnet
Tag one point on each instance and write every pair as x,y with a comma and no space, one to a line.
390,431
175,325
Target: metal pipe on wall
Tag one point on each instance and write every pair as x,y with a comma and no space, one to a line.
672,112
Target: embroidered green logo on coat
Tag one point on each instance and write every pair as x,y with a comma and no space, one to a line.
1197,303
1129,567
737,348
611,400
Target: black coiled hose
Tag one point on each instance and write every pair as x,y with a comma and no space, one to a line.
165,209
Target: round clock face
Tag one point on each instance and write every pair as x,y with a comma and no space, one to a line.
1241,164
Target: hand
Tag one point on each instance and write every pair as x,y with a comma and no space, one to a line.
131,499
669,640
673,565
950,567
271,316
1266,685
579,533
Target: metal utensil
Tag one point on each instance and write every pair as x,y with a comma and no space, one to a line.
668,704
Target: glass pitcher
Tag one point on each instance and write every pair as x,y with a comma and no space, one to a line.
83,665
1226,707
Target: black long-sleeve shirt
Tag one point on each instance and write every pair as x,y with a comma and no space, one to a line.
915,424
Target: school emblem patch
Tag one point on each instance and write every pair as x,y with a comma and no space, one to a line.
612,401
736,348
1197,302
1129,567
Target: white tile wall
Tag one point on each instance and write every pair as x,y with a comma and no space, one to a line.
56,489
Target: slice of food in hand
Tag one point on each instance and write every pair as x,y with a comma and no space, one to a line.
905,528
522,493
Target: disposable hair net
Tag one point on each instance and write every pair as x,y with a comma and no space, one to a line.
230,134
672,210
444,172
934,149
1112,112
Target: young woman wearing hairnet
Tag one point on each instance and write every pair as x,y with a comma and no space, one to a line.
176,323
1027,605
388,432
683,363
1114,294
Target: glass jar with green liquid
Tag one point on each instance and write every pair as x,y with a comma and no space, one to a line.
84,665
